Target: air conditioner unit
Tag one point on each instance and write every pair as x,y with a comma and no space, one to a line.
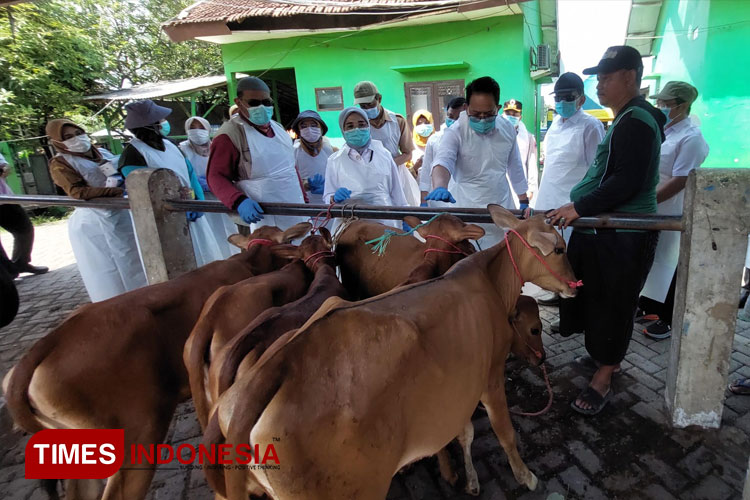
543,57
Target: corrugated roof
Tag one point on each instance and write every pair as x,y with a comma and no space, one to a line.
207,11
169,88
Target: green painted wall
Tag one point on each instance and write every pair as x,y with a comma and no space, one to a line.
498,47
717,63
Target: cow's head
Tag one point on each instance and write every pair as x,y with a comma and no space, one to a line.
271,234
545,264
314,250
527,331
448,236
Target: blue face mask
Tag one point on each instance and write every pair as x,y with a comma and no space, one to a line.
165,128
513,119
449,122
666,112
357,137
483,125
566,109
260,115
372,113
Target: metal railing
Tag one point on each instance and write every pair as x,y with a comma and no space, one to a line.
474,215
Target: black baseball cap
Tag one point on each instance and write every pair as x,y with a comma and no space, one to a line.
616,58
567,83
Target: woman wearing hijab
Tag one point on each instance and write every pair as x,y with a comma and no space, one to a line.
311,153
149,148
195,149
363,171
423,130
103,241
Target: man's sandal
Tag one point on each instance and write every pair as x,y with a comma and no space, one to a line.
740,387
596,401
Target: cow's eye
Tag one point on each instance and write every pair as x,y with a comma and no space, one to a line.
535,331
559,251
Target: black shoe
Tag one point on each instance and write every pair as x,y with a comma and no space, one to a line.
552,301
28,268
658,331
743,297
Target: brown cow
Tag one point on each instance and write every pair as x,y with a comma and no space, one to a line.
118,363
527,344
230,309
365,274
377,384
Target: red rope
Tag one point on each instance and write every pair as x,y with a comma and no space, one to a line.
260,241
322,255
455,250
571,284
316,220
549,401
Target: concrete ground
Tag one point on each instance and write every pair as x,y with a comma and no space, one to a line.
628,451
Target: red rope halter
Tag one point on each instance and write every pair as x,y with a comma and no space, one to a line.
260,241
571,284
455,250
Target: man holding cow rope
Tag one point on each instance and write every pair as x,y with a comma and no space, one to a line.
613,263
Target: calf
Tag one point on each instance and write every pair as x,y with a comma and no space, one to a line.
380,383
118,363
231,308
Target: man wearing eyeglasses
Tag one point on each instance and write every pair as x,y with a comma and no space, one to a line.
477,152
570,147
252,159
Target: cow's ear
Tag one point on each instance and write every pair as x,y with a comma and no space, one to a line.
502,217
470,232
326,234
543,240
413,222
286,251
514,315
296,231
239,240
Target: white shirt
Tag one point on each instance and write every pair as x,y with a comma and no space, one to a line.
684,148
425,173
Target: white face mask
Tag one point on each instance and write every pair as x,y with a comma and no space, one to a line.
78,144
198,135
310,134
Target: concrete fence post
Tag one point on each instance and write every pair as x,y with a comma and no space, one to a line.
163,235
712,253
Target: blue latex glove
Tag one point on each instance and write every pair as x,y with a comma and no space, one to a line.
341,194
204,183
523,205
440,194
424,204
406,227
193,216
316,183
250,211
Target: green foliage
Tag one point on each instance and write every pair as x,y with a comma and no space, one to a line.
54,52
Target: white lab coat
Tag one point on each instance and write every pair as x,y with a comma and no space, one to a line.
103,240
683,150
478,163
221,225
274,176
205,245
527,150
372,181
570,147
389,136
428,161
309,166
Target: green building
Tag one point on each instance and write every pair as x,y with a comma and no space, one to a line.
703,42
420,54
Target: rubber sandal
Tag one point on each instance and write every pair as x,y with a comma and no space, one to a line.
658,330
590,363
647,318
592,398
741,387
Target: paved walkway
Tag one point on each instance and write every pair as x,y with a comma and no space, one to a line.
628,451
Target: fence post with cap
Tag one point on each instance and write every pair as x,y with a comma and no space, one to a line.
163,235
712,252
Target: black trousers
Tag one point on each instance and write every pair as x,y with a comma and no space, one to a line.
613,267
13,219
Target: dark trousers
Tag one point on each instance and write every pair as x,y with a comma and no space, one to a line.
664,311
13,219
613,267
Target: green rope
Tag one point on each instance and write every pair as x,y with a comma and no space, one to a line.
381,242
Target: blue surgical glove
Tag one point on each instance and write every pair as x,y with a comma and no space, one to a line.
203,182
523,205
341,194
193,216
316,183
250,211
440,194
424,204
406,227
